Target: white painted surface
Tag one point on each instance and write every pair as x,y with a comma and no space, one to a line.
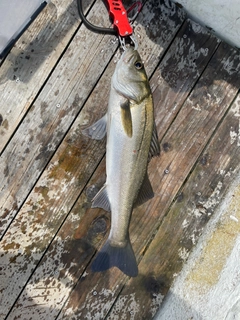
14,16
223,16
208,288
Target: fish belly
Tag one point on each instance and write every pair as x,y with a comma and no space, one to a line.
126,165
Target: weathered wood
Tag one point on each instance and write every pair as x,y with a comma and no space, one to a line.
94,298
179,71
51,116
31,61
30,150
193,205
45,253
208,286
56,192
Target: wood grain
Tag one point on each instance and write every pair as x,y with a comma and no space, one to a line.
193,205
30,150
51,116
97,298
61,183
50,171
32,60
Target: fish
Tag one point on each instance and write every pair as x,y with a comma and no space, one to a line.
131,143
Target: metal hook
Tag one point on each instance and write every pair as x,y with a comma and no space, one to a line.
134,40
123,43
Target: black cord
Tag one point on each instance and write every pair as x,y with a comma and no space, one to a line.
90,26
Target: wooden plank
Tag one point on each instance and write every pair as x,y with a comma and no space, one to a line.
55,193
30,62
30,150
208,285
179,71
200,200
95,294
193,205
50,117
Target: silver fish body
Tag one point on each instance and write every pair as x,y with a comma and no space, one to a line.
131,142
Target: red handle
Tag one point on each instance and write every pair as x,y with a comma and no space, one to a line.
120,19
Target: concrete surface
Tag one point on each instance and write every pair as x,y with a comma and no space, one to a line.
223,17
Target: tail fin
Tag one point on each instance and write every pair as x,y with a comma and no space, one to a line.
121,257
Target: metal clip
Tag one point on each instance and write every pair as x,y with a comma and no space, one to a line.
124,44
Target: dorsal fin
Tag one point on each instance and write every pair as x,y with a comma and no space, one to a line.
154,146
145,192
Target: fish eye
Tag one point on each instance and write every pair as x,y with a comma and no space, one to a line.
138,65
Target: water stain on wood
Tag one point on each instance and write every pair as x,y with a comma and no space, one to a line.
50,233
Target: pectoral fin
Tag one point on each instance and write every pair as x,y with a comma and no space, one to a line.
145,193
97,130
154,146
126,118
101,200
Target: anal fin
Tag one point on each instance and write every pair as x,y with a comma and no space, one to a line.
154,146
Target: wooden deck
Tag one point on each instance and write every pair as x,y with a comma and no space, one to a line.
56,81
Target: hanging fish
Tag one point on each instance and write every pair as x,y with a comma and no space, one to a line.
131,142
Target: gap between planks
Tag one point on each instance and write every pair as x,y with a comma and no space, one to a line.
62,174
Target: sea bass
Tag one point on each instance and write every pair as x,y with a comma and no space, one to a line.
131,143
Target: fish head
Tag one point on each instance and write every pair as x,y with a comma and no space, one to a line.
130,78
